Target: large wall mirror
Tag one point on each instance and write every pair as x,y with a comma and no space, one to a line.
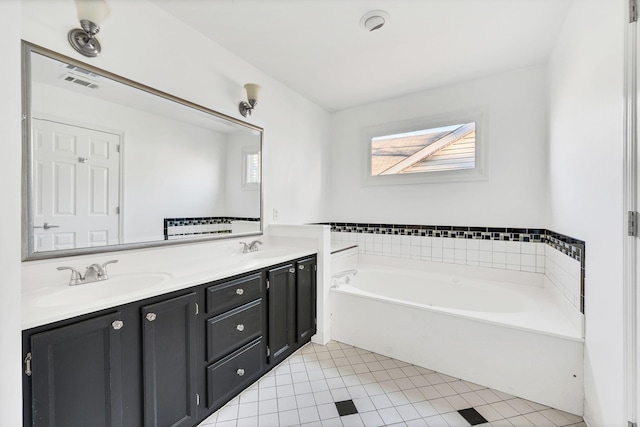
110,164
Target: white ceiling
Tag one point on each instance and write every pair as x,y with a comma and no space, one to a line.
318,48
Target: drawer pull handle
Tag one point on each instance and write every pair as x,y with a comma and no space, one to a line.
239,291
240,327
117,324
151,317
240,372
301,267
292,270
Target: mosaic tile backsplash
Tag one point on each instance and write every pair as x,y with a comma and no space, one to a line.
559,257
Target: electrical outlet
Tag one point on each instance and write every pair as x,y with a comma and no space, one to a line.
275,214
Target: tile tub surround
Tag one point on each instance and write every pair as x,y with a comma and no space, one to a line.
186,227
560,258
311,387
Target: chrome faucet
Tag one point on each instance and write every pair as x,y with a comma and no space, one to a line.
342,277
94,273
253,246
250,247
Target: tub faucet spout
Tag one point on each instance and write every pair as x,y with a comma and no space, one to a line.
342,277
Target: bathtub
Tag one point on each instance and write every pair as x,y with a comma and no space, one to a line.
501,329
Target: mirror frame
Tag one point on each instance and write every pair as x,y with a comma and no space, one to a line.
28,253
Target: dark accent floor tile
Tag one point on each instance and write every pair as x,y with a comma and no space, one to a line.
472,416
346,407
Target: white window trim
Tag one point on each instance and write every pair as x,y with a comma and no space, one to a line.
479,173
249,186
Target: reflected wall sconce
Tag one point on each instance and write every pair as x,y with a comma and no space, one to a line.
91,13
252,96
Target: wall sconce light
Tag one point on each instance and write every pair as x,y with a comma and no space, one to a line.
252,95
91,13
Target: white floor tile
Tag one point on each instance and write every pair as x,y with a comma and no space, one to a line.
357,391
305,400
436,421
302,388
248,409
390,416
364,404
332,422
408,412
248,422
381,401
340,394
228,413
268,420
425,409
287,403
454,419
327,411
285,391
288,418
322,397
268,407
308,415
352,420
371,419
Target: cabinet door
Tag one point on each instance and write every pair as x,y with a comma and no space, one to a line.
169,362
76,374
306,299
282,311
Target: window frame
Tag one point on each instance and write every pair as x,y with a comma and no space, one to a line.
246,152
478,173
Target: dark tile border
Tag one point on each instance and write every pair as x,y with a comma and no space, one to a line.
569,246
208,220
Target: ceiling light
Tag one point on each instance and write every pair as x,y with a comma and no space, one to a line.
374,20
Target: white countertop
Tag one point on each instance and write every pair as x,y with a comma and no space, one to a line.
53,300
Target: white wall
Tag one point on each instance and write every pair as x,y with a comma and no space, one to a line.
513,195
585,185
10,161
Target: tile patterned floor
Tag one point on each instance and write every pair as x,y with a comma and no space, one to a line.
303,389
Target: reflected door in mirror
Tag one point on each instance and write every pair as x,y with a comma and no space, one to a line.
76,186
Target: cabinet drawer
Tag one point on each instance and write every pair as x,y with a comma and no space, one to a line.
230,330
234,293
230,375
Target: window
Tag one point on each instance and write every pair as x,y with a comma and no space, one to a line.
251,169
448,148
428,150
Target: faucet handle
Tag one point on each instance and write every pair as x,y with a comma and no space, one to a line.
76,276
245,247
103,275
253,246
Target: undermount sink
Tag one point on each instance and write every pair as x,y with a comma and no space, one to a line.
114,287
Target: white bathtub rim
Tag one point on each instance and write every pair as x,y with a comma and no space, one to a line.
464,314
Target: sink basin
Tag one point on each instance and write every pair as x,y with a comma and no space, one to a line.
115,287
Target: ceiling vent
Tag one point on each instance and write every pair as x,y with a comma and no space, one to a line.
374,20
80,76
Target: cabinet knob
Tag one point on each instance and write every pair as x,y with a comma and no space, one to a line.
292,270
240,327
239,291
117,324
240,372
301,267
151,317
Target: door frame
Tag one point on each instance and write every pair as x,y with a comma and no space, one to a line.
631,186
121,162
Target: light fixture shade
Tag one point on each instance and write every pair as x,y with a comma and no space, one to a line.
253,90
95,11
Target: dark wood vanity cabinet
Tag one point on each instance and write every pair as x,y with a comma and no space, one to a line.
170,360
76,374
